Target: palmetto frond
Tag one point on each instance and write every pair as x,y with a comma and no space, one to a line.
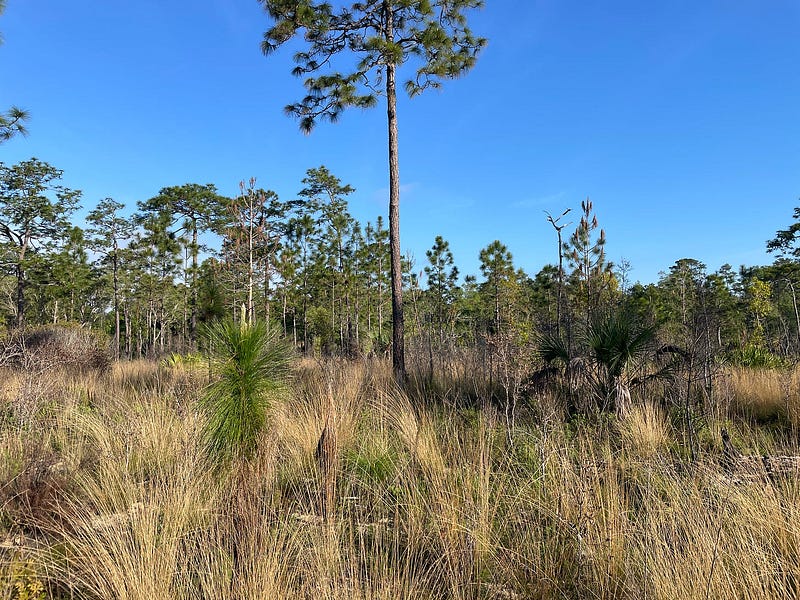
616,341
553,349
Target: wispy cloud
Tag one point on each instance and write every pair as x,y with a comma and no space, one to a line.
539,201
406,190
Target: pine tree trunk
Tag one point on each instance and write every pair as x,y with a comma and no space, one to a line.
20,296
116,302
283,309
128,337
380,299
560,283
193,317
266,290
21,285
250,269
369,308
398,329
305,314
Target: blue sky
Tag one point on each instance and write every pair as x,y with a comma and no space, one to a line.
681,121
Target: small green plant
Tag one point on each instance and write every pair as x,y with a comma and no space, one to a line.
25,583
373,464
250,365
183,361
757,357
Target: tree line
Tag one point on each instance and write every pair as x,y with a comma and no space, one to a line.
189,255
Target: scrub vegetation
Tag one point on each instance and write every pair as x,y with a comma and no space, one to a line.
106,490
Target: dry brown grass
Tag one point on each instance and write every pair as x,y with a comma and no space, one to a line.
766,395
107,489
646,431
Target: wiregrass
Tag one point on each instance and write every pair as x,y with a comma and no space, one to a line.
104,494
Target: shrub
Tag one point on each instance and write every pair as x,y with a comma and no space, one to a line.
57,346
176,361
25,583
757,357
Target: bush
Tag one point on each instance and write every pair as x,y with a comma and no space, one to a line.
57,347
176,361
756,357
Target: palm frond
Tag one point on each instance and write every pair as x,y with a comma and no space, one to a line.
553,349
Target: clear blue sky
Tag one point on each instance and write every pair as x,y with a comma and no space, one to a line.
681,120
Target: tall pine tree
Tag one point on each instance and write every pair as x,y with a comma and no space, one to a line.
382,35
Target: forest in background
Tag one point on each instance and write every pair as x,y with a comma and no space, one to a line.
149,277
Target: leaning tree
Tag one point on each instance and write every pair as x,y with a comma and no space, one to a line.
381,35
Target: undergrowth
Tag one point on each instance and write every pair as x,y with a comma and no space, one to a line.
104,493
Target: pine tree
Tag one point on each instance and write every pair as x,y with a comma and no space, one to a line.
107,234
376,261
159,250
382,36
440,296
327,197
442,290
498,268
72,280
194,208
254,229
34,216
785,240
592,274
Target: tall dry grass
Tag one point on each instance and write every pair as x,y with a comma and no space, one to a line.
104,493
766,395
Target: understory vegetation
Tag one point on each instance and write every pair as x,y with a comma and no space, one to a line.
106,489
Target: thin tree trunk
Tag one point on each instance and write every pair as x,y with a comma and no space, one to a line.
560,283
116,302
250,268
398,329
796,312
266,290
357,316
128,338
193,322
305,314
380,298
283,309
21,290
139,340
369,308
186,325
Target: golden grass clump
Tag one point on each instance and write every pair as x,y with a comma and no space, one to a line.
645,430
765,395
